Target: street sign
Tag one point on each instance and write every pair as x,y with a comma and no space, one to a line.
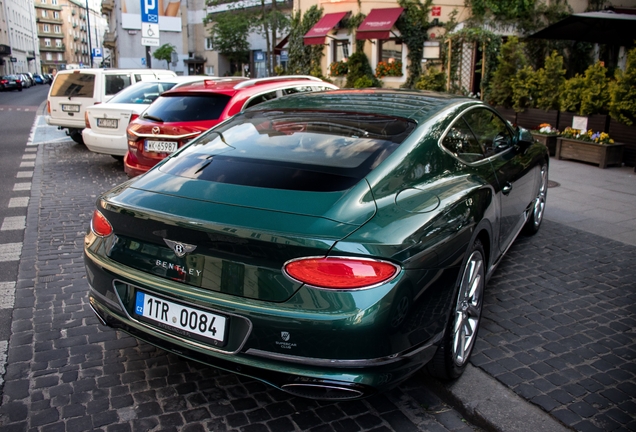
150,41
97,52
13,59
149,23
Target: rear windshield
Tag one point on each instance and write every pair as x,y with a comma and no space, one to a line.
294,150
187,108
73,84
141,93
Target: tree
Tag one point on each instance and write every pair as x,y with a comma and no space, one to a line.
511,59
549,81
303,58
413,24
164,52
229,33
623,92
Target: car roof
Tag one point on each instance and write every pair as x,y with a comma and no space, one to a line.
232,85
418,105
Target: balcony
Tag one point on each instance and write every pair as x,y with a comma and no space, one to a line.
110,40
44,48
108,5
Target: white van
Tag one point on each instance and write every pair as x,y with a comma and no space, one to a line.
74,90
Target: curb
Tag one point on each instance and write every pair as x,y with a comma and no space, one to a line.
487,403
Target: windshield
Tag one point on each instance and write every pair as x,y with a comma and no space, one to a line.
73,84
141,93
297,150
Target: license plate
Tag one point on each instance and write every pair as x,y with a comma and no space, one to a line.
183,320
71,108
161,146
107,123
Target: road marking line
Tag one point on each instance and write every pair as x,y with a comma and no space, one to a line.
19,202
27,164
28,156
22,187
13,223
3,359
25,174
10,251
7,295
31,149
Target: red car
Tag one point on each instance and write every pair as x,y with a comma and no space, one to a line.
180,115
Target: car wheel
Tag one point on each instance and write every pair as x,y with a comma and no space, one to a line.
458,342
119,158
20,89
76,135
538,206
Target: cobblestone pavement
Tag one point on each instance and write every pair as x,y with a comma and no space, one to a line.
67,373
560,327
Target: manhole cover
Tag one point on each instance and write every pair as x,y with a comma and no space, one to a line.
553,184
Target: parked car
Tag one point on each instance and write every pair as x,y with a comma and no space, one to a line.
72,91
106,123
181,114
25,80
39,79
11,82
329,244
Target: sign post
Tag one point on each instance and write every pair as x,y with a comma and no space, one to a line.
149,26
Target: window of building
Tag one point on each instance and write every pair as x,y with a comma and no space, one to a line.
390,50
57,29
54,2
209,70
60,56
340,49
43,13
47,42
46,28
209,44
56,15
49,56
58,43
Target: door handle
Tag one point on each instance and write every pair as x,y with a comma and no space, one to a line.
507,188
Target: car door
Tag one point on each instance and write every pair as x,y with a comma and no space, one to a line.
511,166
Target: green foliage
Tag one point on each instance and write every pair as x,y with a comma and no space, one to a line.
338,68
364,82
524,89
623,92
359,67
303,59
596,97
164,52
413,25
229,33
502,10
571,95
549,81
511,59
433,79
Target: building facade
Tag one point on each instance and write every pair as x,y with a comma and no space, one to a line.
18,41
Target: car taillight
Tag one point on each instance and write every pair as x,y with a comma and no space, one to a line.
340,272
48,107
87,122
133,117
100,225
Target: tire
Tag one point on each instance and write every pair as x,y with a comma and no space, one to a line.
76,135
118,158
20,89
538,206
458,341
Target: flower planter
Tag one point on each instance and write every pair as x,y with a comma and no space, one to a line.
550,141
600,154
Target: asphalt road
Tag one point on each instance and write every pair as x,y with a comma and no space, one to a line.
17,112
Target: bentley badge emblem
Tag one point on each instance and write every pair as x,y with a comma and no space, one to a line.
285,336
156,130
180,249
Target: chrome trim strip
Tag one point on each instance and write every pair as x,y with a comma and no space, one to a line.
175,336
255,81
380,361
168,137
355,393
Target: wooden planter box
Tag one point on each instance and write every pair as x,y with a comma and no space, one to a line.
600,154
531,118
550,141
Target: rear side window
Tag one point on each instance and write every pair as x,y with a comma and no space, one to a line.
187,108
116,83
73,85
142,93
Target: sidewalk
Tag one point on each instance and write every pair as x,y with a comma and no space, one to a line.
559,328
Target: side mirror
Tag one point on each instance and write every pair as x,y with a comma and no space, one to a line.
524,137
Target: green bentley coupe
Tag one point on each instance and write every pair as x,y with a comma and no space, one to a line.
329,244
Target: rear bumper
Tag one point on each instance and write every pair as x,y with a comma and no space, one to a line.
132,167
105,144
70,123
325,378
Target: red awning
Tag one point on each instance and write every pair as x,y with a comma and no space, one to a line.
317,34
378,24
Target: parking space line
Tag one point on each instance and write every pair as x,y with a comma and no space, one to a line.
26,186
10,251
19,202
13,223
7,295
24,174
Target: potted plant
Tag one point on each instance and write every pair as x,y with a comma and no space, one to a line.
546,135
589,146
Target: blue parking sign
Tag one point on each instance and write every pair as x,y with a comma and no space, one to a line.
150,11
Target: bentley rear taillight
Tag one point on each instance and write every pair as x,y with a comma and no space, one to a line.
100,225
342,273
